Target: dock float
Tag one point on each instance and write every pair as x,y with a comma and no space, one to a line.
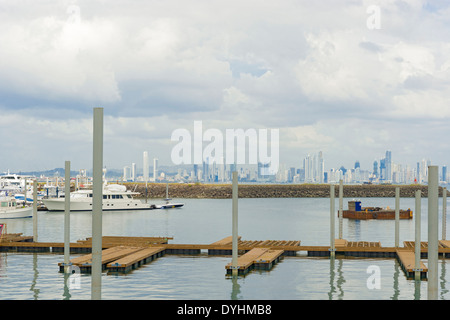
135,260
258,258
108,255
406,259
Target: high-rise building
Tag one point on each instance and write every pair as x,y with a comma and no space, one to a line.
444,174
388,164
321,168
133,171
126,173
375,169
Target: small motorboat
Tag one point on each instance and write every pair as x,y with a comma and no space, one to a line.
169,205
10,210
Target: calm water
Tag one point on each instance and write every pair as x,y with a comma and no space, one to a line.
35,276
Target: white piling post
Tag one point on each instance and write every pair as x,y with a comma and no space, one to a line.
444,213
332,224
97,201
235,224
341,207
67,215
433,205
397,217
417,235
35,217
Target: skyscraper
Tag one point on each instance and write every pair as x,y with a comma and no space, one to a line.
321,168
133,172
375,169
388,164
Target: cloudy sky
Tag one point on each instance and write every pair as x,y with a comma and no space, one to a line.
331,75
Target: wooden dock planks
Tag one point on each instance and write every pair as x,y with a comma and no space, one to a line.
261,258
134,260
85,262
407,261
268,259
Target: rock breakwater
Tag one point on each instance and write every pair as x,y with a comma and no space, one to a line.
223,191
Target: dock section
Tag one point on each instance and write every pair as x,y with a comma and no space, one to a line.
406,259
135,260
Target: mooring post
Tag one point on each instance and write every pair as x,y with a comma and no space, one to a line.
234,258
67,216
397,216
417,235
96,283
332,226
444,213
433,205
35,217
341,207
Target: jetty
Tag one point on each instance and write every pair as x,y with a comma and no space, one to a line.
122,254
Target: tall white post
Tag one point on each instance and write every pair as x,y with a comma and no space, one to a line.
397,216
332,223
97,200
235,224
341,207
417,235
444,213
35,217
433,205
67,215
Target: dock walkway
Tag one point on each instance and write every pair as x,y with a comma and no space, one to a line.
131,250
260,258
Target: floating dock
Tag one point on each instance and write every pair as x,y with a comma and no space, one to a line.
257,258
123,254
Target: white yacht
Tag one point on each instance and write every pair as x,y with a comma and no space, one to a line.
10,210
115,197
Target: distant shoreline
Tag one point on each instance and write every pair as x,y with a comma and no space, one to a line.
223,191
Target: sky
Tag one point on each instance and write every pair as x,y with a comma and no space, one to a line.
349,78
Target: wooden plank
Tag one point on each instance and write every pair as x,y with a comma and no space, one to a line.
225,241
128,262
269,256
108,255
445,243
246,260
407,262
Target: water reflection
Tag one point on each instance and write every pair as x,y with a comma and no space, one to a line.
235,288
35,276
336,289
396,293
443,289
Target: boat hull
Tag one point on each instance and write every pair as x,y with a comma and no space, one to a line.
17,213
170,205
59,205
378,215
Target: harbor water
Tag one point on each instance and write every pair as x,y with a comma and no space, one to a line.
28,276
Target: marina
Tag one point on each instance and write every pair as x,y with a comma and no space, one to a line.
124,254
204,255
